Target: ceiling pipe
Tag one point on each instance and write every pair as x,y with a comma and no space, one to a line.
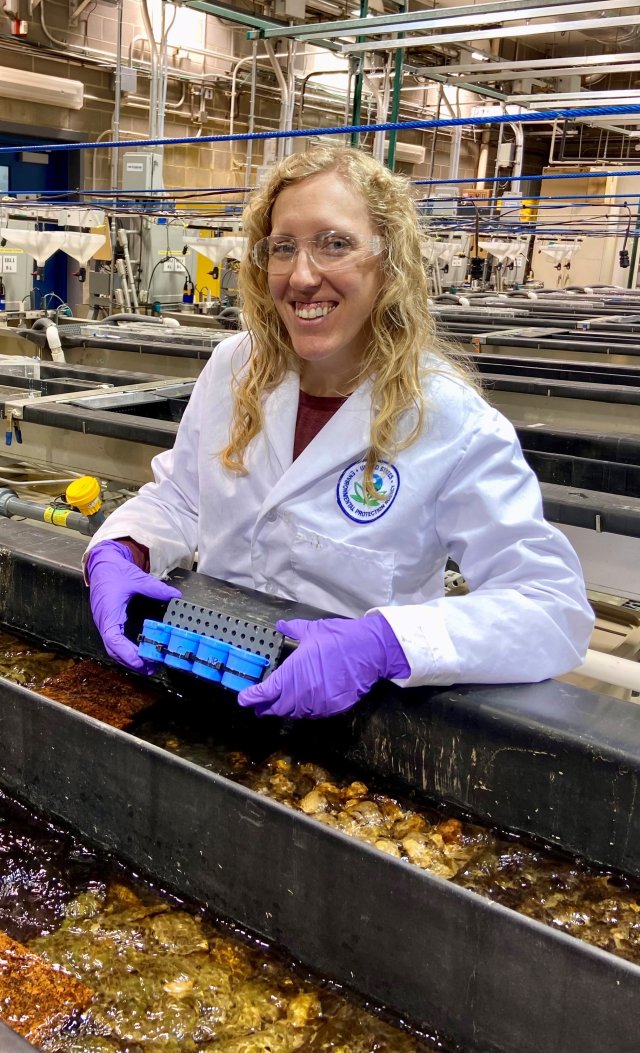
252,114
381,95
106,134
485,137
115,124
188,48
518,156
313,101
163,71
153,87
356,65
291,92
456,141
284,88
303,87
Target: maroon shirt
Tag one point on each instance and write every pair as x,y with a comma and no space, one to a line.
314,411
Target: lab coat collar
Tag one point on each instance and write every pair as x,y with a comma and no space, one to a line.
280,409
343,439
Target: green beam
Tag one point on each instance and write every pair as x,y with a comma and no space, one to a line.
317,42
356,109
232,14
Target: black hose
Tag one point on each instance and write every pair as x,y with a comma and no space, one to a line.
113,319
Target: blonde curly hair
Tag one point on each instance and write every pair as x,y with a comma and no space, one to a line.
402,329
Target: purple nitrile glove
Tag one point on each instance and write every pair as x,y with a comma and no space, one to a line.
114,578
335,663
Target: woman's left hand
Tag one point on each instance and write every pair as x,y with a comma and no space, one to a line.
337,661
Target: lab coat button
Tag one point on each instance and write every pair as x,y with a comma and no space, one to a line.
270,587
272,516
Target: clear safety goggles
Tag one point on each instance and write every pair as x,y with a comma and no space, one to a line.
330,250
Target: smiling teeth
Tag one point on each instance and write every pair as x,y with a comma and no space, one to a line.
313,311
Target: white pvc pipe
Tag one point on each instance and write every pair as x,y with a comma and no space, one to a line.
153,85
123,241
610,669
120,267
55,345
284,88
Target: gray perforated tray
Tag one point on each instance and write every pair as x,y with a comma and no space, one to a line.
259,639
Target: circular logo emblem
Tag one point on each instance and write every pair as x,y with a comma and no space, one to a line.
361,505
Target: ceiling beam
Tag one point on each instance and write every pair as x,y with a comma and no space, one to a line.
489,68
506,32
567,71
417,19
473,17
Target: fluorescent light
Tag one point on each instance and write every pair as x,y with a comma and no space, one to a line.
479,57
39,87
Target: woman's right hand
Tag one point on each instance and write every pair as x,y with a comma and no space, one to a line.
114,578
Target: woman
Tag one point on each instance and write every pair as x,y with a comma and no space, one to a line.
337,455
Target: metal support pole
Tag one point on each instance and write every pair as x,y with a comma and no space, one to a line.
395,99
631,277
252,110
117,102
356,110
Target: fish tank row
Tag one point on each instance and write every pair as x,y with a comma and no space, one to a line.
126,943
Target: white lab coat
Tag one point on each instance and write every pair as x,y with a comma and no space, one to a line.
464,491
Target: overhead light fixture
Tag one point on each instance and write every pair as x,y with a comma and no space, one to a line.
39,87
479,57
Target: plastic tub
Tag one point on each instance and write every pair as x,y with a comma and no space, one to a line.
211,658
243,668
181,649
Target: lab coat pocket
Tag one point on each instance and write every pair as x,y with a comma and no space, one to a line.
339,577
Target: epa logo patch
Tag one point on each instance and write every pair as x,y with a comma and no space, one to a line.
364,506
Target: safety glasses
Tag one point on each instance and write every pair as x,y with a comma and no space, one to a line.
330,250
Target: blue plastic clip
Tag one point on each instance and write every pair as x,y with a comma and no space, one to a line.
152,643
